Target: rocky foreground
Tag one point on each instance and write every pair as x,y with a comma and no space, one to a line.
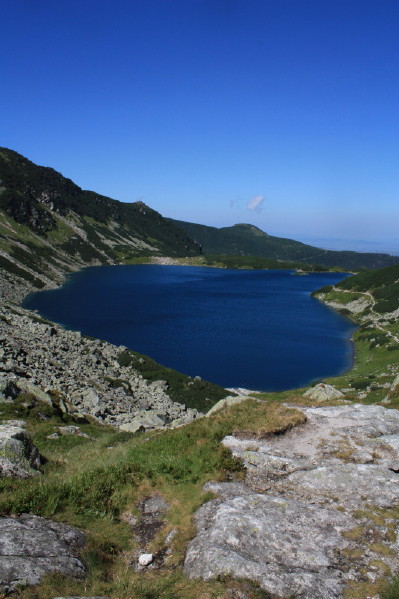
316,511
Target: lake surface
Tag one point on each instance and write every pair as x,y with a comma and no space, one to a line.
239,328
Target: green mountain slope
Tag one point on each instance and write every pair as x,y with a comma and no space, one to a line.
382,285
371,299
50,226
244,239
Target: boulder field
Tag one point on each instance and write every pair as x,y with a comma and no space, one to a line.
80,375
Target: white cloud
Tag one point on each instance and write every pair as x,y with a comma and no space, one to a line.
255,203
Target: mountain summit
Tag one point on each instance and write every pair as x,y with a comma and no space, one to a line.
247,240
49,226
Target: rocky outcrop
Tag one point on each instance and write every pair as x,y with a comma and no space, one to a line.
323,392
68,430
226,402
393,391
280,543
18,456
31,547
43,363
305,521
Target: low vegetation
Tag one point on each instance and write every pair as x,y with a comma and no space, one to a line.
383,285
376,341
92,482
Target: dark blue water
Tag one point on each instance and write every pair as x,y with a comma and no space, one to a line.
241,328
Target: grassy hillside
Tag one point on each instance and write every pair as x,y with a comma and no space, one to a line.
49,225
244,239
371,299
383,285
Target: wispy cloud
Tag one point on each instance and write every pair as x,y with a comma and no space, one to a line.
256,203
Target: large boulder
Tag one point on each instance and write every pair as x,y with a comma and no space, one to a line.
226,402
323,392
31,547
38,394
18,456
280,543
304,522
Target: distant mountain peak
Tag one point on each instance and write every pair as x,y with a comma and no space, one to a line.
140,204
251,228
244,239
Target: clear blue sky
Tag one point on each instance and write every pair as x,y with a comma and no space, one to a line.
282,113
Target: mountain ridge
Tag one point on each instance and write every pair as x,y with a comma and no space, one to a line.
246,239
49,227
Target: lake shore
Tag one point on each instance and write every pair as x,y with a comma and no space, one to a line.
244,328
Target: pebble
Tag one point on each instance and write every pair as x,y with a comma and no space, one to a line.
145,559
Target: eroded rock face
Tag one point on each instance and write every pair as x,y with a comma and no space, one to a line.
31,547
18,456
307,506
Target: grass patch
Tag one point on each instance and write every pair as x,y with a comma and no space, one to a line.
90,482
391,590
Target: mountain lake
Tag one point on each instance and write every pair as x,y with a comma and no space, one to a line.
258,329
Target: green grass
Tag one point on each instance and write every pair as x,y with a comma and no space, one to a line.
90,482
391,591
376,351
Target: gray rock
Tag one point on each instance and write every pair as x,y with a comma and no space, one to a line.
286,546
26,387
224,403
31,547
10,469
323,392
170,536
8,390
84,375
316,479
148,421
348,484
154,505
20,423
18,455
71,430
88,397
132,427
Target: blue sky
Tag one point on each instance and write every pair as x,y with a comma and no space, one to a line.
282,113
